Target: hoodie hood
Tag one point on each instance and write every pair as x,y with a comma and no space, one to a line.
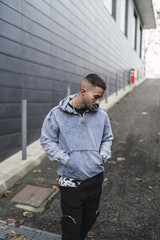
64,106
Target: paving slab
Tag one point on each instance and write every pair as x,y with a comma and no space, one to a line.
32,195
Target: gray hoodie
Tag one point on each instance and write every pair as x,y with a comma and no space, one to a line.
77,142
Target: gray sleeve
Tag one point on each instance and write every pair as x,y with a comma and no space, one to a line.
50,140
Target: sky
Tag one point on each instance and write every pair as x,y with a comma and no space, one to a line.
153,55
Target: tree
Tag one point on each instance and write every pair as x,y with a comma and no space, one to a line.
151,38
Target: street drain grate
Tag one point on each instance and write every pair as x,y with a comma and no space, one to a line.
28,233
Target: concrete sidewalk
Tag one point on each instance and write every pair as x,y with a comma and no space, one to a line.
14,168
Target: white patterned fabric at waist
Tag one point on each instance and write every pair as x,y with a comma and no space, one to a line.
68,182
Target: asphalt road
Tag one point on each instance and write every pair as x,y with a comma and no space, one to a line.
130,208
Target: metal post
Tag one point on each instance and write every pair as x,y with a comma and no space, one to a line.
124,81
68,90
107,84
116,84
138,74
24,128
129,77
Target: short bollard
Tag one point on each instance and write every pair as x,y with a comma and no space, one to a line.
24,129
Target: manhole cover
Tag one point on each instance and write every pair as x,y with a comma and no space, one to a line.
28,233
32,195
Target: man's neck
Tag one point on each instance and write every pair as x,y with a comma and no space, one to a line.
76,103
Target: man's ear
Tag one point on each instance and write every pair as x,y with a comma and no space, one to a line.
83,90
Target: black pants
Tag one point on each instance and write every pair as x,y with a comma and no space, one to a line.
80,208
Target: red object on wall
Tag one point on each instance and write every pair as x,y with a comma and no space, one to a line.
132,76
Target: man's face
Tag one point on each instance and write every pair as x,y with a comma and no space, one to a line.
92,97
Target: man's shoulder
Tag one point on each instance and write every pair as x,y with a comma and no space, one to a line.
53,111
102,112
55,108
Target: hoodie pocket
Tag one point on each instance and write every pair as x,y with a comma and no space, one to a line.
85,162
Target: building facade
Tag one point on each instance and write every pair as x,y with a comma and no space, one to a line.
48,46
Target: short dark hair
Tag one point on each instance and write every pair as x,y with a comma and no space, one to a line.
96,80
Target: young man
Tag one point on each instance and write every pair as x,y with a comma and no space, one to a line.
78,135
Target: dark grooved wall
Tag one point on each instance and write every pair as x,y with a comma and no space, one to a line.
47,45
